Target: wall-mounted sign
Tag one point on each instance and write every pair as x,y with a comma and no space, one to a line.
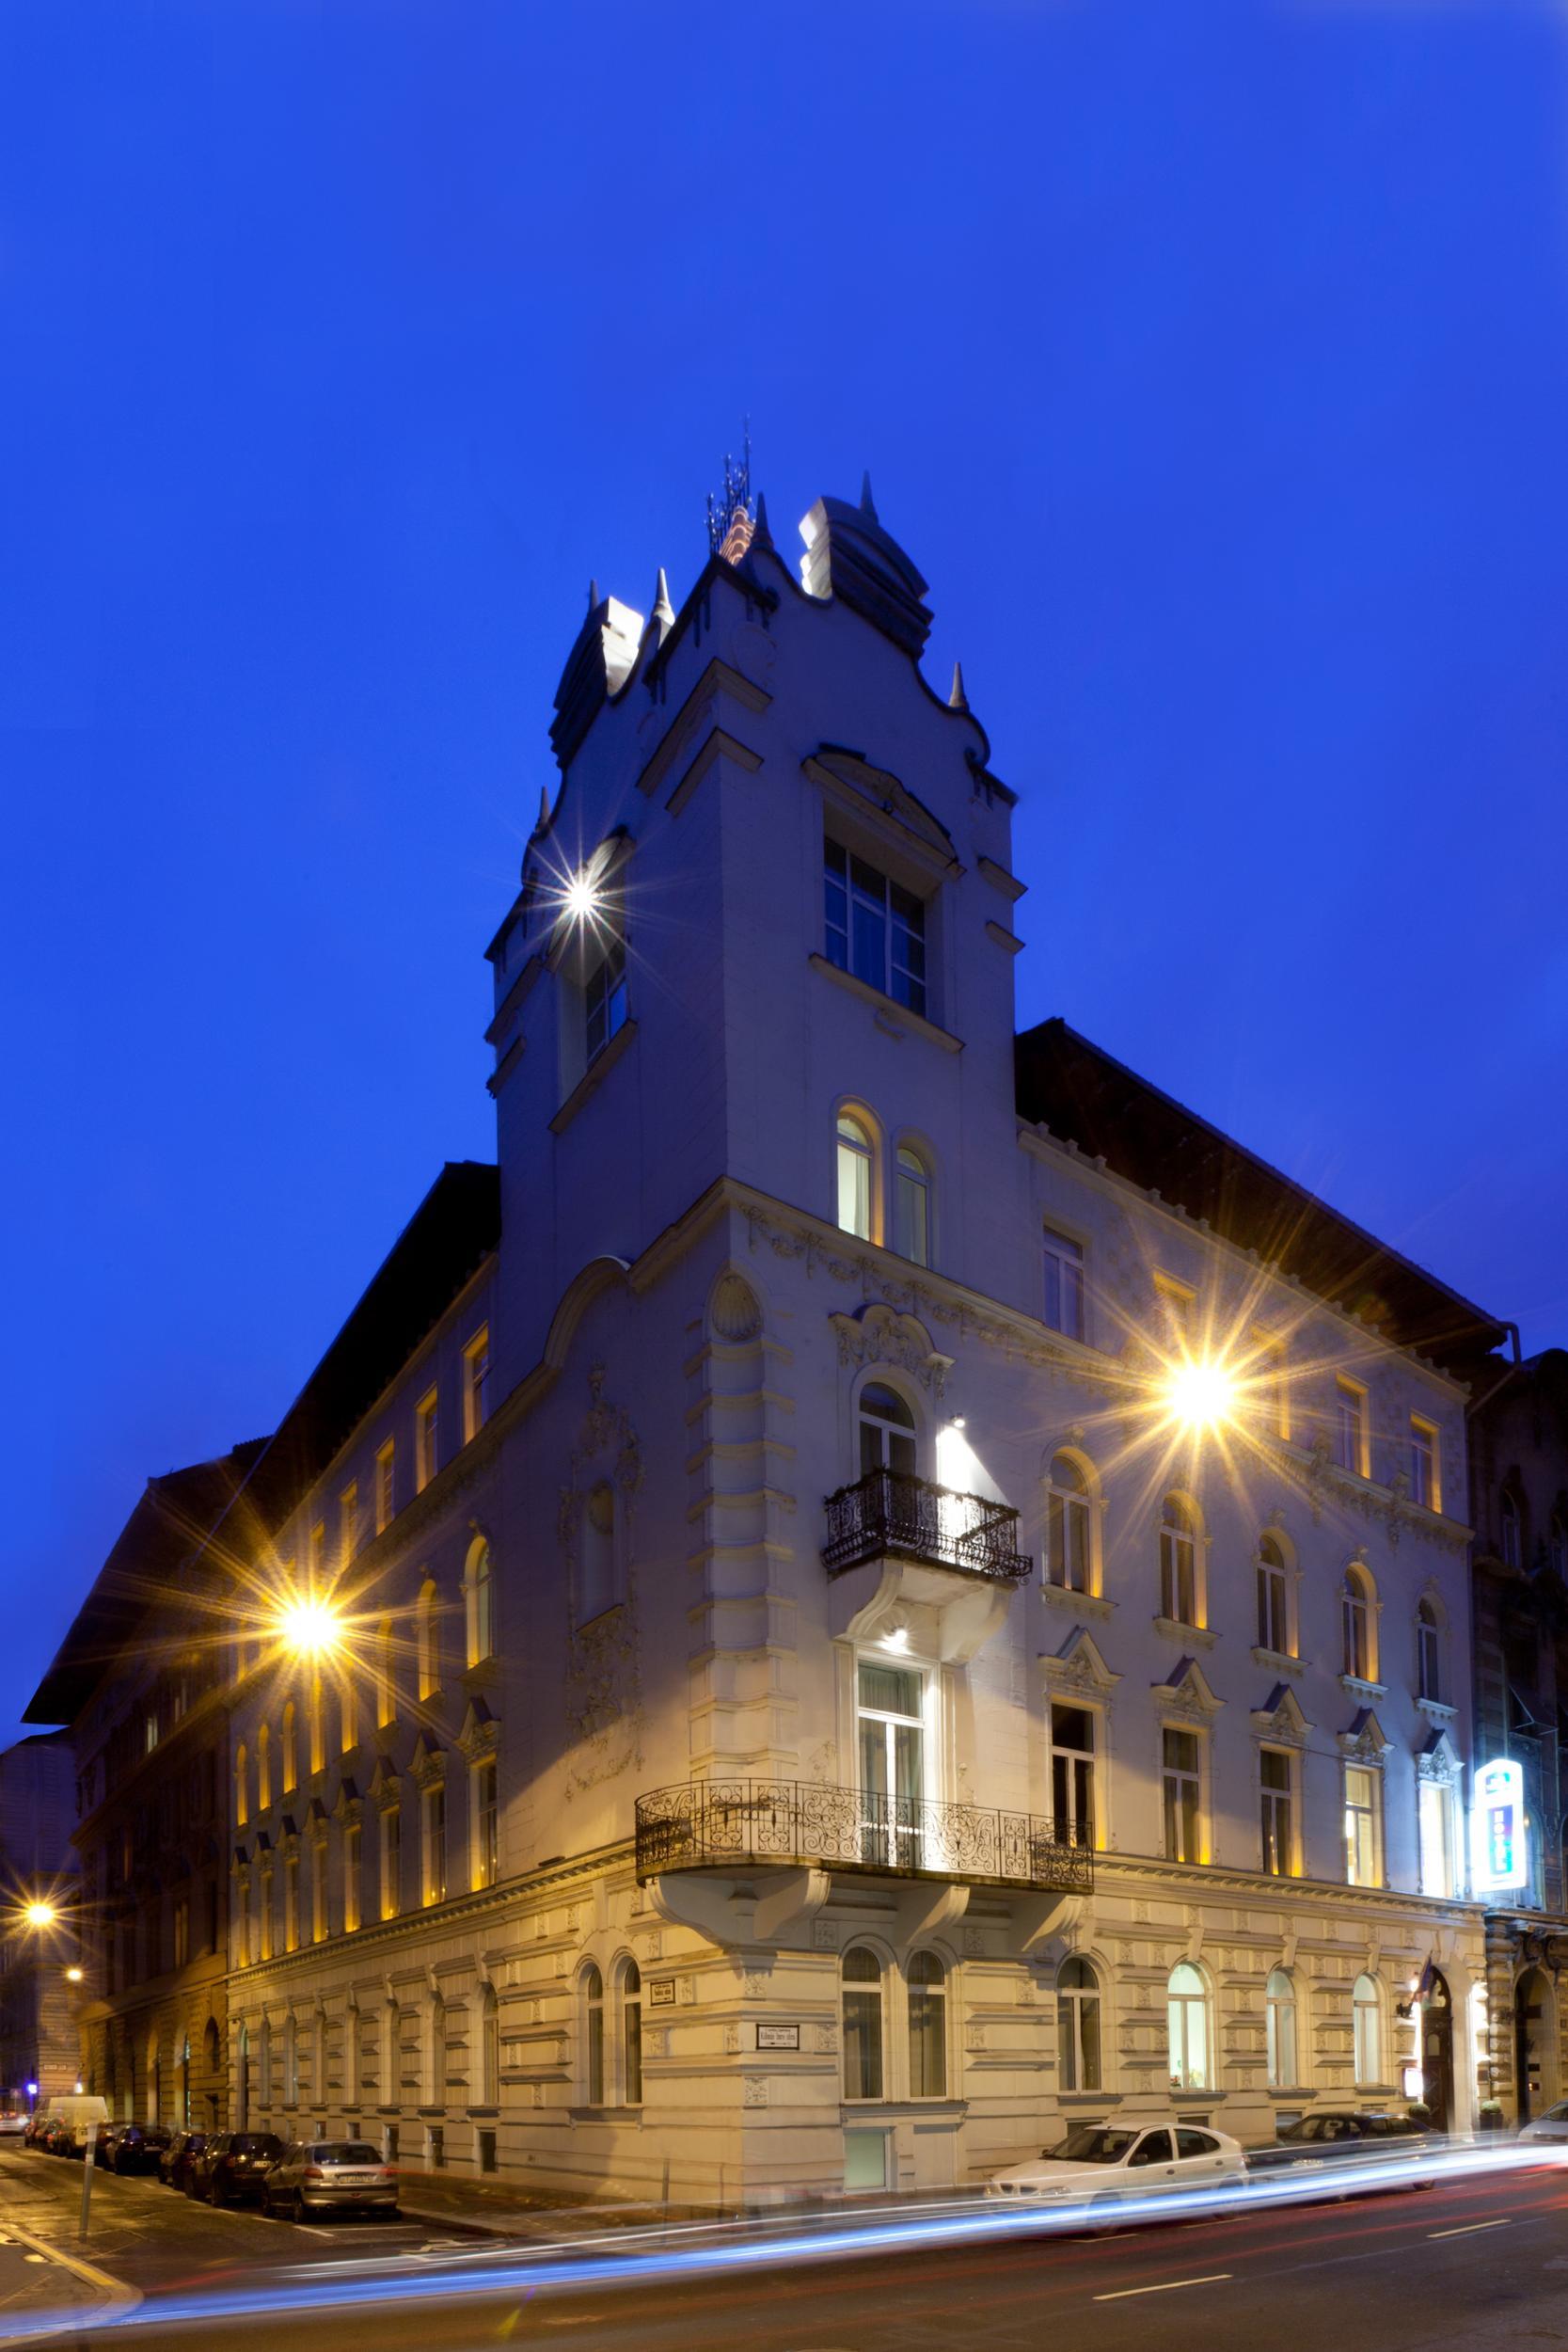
661,1992
777,2037
1498,1862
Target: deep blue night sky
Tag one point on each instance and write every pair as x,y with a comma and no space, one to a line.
1213,364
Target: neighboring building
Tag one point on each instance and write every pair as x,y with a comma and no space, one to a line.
39,1994
809,1717
1519,1490
141,1680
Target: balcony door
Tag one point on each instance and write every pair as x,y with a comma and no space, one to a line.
887,1431
891,1705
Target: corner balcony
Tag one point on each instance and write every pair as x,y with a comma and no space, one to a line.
943,1565
737,1825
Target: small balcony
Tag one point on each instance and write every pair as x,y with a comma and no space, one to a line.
888,1515
735,1824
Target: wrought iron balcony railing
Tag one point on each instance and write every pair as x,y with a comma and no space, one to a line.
888,1512
726,1824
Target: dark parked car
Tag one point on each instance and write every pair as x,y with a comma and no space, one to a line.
1335,2137
330,2176
103,2147
54,2136
139,2147
232,2169
175,2161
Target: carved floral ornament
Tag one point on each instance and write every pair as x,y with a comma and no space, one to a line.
878,1334
1280,1718
1186,1691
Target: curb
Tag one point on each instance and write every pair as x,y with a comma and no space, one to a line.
119,2299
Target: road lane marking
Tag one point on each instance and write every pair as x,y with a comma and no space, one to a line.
1470,2228
1165,2286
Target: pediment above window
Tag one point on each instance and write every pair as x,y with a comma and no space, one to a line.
1280,1717
1185,1691
349,1803
1078,1666
428,1762
385,1785
878,1334
874,792
1438,1759
480,1732
1366,1742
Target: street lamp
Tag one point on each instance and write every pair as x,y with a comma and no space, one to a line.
1200,1394
311,1628
40,1914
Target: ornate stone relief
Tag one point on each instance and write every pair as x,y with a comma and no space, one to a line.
878,1334
734,1313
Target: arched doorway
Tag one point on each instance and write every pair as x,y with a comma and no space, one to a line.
1535,2042
1437,2052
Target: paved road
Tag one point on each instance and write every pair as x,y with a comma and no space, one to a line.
1481,2263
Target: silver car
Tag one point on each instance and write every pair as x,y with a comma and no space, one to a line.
330,2176
1551,2126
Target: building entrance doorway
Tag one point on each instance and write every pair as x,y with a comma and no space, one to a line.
1535,2044
1437,2053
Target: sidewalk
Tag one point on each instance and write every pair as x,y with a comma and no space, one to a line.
46,2291
512,2211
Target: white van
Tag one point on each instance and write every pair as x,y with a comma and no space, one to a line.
83,2110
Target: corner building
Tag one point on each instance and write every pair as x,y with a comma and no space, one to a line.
887,1732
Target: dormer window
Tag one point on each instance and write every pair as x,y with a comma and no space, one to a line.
875,929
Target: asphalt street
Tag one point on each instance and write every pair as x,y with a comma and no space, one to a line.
1481,2261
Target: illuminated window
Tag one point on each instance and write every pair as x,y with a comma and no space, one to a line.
1178,1562
352,1864
426,1656
485,1815
1425,1487
391,1862
886,1430
386,1694
604,998
317,1727
874,928
1187,2028
318,1892
348,1714
348,1520
856,1171
1429,1652
479,1609
1363,1837
1276,1779
593,2005
426,1440
433,1829
263,1769
1349,1428
1072,1775
927,2016
291,1903
386,1461
1063,1307
476,1383
1355,1620
1182,1791
1078,2061
1274,1620
290,1749
1435,1823
241,1794
631,2035
1512,1545
861,1975
1366,2018
911,1222
1068,1550
1279,2008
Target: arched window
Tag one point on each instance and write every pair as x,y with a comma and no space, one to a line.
318,1726
1429,1652
264,1770
598,1551
290,1749
911,1206
1077,2027
479,1591
927,1992
593,2036
1513,1544
1356,1603
489,2048
1068,1553
242,1791
1274,1620
1178,1562
427,1663
386,1697
631,2035
886,1430
857,1169
1367,2016
862,1973
1187,2028
1279,2006
348,1712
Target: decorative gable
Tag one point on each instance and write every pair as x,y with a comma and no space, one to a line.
878,1334
386,1786
428,1762
1078,1666
1185,1691
1280,1718
1364,1742
480,1732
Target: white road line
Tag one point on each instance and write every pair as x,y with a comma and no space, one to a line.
1165,2286
1470,2228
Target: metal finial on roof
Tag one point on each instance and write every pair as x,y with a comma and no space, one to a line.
592,595
541,823
732,508
663,609
958,699
868,505
762,536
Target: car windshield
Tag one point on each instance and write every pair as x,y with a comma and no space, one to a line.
1554,2114
344,2152
1092,2144
255,2144
1320,2128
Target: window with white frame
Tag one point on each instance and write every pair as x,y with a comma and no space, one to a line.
861,1972
478,1603
856,1164
432,1842
1181,1788
1078,2059
1073,1745
1178,1562
1429,1652
1274,1599
1435,1827
631,2035
1425,1487
604,995
476,1383
1349,1428
427,1425
1279,2012
1069,1527
886,1429
1276,1783
911,1206
1063,1306
927,1987
1187,2028
891,1723
1363,1826
1359,1656
1367,2031
874,928
593,2030
391,1862
486,1815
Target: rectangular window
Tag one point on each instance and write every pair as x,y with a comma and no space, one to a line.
434,1823
892,1764
318,1553
1064,1285
391,1862
348,1520
1182,1796
1361,1826
1072,1775
1424,1485
604,998
486,1824
874,929
385,1462
1436,1833
476,1384
351,1877
291,1903
150,1733
263,1915
1276,1774
181,1932
317,1893
426,1440
1349,1428
348,1703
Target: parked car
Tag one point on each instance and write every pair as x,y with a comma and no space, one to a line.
1552,2125
1101,2164
233,2167
104,2146
54,2137
12,2125
330,2176
76,2113
1334,2138
139,2147
175,2161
